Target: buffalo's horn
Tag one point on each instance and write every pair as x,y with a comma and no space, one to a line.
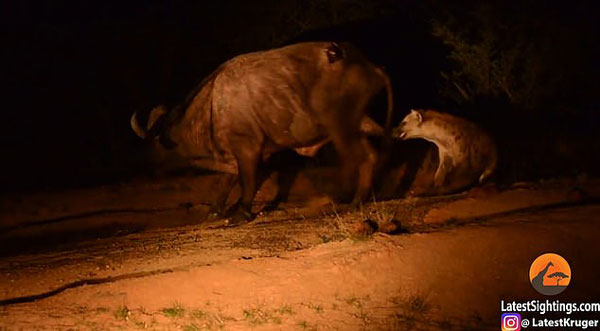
155,114
137,128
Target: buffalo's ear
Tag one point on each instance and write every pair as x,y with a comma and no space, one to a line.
418,114
334,52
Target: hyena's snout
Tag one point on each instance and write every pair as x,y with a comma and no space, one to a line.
399,132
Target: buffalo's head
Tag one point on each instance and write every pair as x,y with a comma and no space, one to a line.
155,128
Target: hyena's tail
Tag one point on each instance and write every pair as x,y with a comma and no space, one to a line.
490,169
485,175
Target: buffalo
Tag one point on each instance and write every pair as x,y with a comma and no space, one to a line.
294,97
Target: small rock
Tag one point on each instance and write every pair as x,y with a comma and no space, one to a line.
365,228
391,227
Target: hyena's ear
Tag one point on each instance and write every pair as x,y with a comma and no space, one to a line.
418,114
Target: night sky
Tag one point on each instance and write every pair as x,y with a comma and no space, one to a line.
73,72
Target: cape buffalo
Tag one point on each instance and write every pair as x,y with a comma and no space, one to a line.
255,104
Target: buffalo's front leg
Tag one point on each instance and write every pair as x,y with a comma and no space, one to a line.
248,157
284,185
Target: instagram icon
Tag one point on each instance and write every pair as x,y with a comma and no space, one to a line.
511,322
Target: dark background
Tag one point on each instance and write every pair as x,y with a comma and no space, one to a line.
73,72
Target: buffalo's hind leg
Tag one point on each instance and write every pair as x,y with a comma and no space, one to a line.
225,184
247,156
359,160
366,168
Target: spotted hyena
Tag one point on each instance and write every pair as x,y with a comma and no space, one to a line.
467,154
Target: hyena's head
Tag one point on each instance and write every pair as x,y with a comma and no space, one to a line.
412,126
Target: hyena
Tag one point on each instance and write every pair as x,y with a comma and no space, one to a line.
467,154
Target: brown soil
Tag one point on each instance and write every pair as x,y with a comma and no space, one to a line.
306,266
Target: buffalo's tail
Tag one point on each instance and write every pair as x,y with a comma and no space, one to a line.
387,133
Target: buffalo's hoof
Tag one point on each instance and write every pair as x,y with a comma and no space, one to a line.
355,205
239,217
216,211
213,215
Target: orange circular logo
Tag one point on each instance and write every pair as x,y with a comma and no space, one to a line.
550,274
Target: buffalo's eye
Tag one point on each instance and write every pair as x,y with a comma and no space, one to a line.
334,52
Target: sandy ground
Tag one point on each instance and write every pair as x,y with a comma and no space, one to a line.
103,259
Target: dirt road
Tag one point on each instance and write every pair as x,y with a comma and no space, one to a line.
448,268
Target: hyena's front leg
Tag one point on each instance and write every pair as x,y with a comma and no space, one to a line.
439,179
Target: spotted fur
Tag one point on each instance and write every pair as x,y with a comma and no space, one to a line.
466,152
